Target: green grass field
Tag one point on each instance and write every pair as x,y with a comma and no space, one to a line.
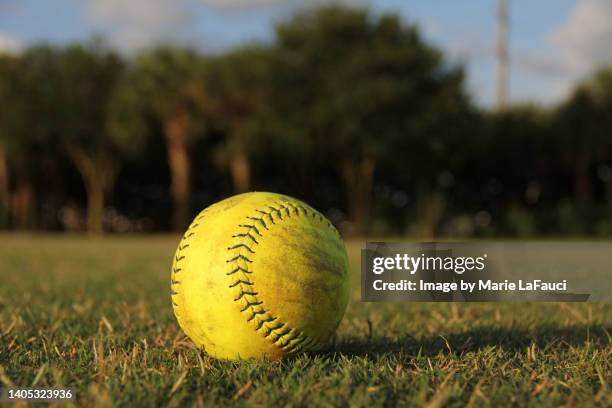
95,315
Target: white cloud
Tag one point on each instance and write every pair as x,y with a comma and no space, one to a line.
542,64
585,40
240,4
132,24
246,5
459,44
547,75
8,44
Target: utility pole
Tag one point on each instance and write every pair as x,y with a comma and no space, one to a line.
503,57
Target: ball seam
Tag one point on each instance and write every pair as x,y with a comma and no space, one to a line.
177,262
245,241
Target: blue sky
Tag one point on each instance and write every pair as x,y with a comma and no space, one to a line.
554,43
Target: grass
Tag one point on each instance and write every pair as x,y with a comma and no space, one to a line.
95,315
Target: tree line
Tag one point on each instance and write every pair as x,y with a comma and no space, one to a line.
350,111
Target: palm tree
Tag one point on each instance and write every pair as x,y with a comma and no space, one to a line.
239,81
169,83
88,77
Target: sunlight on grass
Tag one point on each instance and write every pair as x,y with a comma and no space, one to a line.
95,315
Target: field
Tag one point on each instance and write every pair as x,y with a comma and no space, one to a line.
95,315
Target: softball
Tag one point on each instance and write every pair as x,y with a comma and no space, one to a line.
260,275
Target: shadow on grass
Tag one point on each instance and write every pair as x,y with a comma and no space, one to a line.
509,339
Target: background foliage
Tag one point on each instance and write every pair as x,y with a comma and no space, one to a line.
352,112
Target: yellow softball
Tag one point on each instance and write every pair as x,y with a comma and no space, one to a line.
259,275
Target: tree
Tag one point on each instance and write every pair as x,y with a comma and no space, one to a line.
170,85
584,128
56,102
27,89
239,84
364,88
515,163
89,77
11,126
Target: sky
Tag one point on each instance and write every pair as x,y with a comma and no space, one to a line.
554,44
